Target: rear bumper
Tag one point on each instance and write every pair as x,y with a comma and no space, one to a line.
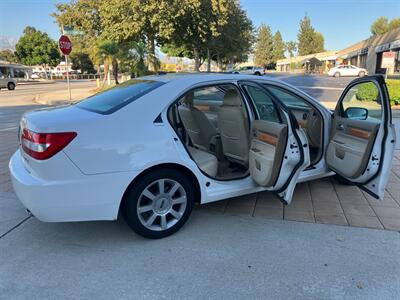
85,198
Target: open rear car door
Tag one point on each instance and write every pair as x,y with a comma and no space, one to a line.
362,139
279,149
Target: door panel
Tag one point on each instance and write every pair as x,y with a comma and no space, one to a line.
268,144
362,138
350,146
279,149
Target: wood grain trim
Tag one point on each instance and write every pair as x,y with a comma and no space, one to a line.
364,134
267,138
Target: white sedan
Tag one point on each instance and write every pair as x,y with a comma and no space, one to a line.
249,70
347,70
152,147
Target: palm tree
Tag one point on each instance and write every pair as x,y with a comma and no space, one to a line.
109,51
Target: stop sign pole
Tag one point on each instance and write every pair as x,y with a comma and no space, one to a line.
65,46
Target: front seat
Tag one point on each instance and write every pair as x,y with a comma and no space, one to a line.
234,128
199,128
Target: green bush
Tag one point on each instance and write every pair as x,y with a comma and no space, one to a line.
394,91
367,92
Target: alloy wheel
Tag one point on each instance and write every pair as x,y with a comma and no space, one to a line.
161,204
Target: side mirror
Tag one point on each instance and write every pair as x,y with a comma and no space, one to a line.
357,113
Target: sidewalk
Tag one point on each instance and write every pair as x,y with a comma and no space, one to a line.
212,257
62,97
34,82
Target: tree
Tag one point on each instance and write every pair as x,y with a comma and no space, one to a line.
109,51
81,61
136,21
133,59
383,25
37,48
291,47
305,37
394,23
380,26
8,55
279,46
235,40
264,48
309,41
194,25
318,42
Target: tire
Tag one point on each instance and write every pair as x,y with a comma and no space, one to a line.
337,75
257,73
159,216
11,86
361,74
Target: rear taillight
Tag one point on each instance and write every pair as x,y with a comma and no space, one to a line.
44,145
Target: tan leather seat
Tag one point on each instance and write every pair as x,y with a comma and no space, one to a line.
199,128
207,162
233,127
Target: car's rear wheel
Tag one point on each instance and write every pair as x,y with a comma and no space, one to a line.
11,86
257,73
361,74
337,74
159,204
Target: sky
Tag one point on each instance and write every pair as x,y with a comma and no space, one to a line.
342,22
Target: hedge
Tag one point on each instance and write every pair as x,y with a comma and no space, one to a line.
394,91
368,91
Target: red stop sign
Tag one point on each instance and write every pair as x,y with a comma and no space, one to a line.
65,45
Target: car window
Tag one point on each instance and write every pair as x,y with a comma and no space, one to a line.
266,109
289,99
362,101
117,97
210,96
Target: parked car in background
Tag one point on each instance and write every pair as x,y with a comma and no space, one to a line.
35,76
7,82
347,70
249,70
152,147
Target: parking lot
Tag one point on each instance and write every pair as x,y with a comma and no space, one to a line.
269,247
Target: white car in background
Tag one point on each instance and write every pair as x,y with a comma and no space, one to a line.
152,147
35,76
7,82
347,70
249,70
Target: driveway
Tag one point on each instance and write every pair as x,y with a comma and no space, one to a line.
249,246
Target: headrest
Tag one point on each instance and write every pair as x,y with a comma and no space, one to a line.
232,98
188,99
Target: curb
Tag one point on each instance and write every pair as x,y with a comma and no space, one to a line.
35,82
37,99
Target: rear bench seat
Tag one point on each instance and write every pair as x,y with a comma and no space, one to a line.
207,162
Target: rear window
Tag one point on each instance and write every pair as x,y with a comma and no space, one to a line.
111,100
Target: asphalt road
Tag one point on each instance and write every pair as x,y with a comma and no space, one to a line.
23,94
321,87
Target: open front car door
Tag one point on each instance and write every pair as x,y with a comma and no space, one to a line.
362,139
279,149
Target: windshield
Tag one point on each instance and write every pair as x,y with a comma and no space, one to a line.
111,100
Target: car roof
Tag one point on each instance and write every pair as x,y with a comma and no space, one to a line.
204,77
